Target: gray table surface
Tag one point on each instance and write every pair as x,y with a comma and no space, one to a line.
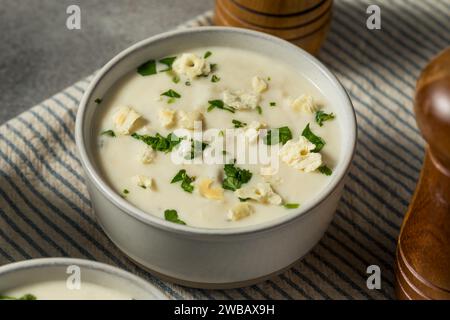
39,56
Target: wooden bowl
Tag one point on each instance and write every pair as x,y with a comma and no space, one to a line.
282,7
275,20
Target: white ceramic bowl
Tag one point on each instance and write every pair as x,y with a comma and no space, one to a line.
35,271
213,258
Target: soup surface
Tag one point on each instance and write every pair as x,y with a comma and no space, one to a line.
57,290
217,138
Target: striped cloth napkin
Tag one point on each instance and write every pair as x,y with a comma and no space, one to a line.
45,209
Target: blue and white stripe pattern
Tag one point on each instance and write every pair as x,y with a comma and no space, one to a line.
45,209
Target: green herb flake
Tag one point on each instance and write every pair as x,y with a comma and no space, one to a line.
24,297
213,67
325,170
318,141
108,133
171,94
207,54
167,62
284,135
219,104
197,148
98,101
188,83
259,109
176,79
238,124
172,216
291,205
159,142
273,104
215,78
126,191
186,181
321,117
235,177
148,68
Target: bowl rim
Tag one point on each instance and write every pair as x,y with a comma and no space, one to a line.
154,221
89,264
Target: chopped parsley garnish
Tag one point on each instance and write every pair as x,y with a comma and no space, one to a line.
108,133
171,94
176,79
98,101
167,62
186,181
291,205
24,297
187,83
158,142
235,177
269,78
321,117
126,191
148,68
244,199
318,141
284,135
273,104
215,78
172,216
238,124
197,148
325,170
207,54
259,109
219,104
213,67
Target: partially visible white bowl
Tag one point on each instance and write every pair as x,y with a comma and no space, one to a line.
24,273
213,258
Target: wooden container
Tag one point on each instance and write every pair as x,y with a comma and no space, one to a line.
423,250
304,23
280,7
276,20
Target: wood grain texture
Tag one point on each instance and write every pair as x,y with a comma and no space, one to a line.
279,7
290,34
423,250
276,21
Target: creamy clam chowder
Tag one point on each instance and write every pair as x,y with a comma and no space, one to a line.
217,138
58,290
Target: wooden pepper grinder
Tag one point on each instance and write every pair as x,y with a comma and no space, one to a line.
423,250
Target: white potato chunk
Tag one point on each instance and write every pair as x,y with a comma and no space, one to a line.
263,193
147,155
259,85
143,181
240,211
188,119
124,119
241,100
208,192
298,155
191,66
304,103
166,117
252,131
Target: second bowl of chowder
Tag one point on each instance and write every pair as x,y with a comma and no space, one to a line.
215,156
